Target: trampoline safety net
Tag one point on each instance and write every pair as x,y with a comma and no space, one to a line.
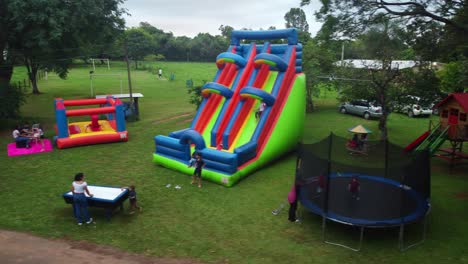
393,187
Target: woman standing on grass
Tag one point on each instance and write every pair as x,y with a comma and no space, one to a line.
80,202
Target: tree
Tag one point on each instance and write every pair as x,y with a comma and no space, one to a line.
53,32
354,16
226,31
160,38
454,77
378,79
296,18
140,43
317,61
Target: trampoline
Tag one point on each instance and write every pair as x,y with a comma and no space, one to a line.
382,202
394,186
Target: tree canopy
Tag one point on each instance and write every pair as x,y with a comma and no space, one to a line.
355,15
296,18
48,34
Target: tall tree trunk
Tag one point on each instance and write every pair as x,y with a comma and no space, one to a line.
384,117
32,73
383,126
35,89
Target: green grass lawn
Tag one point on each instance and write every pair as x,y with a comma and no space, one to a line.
212,224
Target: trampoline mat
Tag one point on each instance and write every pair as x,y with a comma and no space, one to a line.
381,201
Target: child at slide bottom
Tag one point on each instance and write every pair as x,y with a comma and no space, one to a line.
199,164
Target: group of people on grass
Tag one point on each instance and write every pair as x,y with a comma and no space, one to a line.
79,190
356,143
24,135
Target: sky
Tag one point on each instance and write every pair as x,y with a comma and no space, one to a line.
189,17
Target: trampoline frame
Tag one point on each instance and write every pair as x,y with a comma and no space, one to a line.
401,235
362,227
414,216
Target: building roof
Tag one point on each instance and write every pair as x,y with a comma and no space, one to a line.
461,98
377,64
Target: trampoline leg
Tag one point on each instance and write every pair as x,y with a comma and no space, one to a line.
358,248
324,226
401,240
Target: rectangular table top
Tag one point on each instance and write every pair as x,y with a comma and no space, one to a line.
103,193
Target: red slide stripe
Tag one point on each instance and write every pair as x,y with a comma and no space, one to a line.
417,141
259,82
235,98
212,101
281,100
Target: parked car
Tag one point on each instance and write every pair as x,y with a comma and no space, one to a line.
362,108
412,106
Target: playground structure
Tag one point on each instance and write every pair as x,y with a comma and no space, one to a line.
248,74
90,132
394,187
94,65
452,126
92,76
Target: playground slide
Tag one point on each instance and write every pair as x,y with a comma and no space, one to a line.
433,140
417,141
272,74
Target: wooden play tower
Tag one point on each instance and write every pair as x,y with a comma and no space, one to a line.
453,112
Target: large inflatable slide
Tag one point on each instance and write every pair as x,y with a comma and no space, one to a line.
232,140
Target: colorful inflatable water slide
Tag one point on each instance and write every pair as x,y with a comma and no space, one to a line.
248,74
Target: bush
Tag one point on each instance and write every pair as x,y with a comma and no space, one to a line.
195,94
11,99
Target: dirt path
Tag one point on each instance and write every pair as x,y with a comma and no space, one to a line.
23,248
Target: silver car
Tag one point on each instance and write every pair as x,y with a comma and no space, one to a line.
361,108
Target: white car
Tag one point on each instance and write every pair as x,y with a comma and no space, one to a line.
410,105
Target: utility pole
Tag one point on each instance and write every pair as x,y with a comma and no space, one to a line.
129,77
342,53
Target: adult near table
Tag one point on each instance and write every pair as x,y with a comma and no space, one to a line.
105,197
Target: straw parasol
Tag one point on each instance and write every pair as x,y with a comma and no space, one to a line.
360,129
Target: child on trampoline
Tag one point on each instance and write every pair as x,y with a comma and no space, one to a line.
354,187
321,183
